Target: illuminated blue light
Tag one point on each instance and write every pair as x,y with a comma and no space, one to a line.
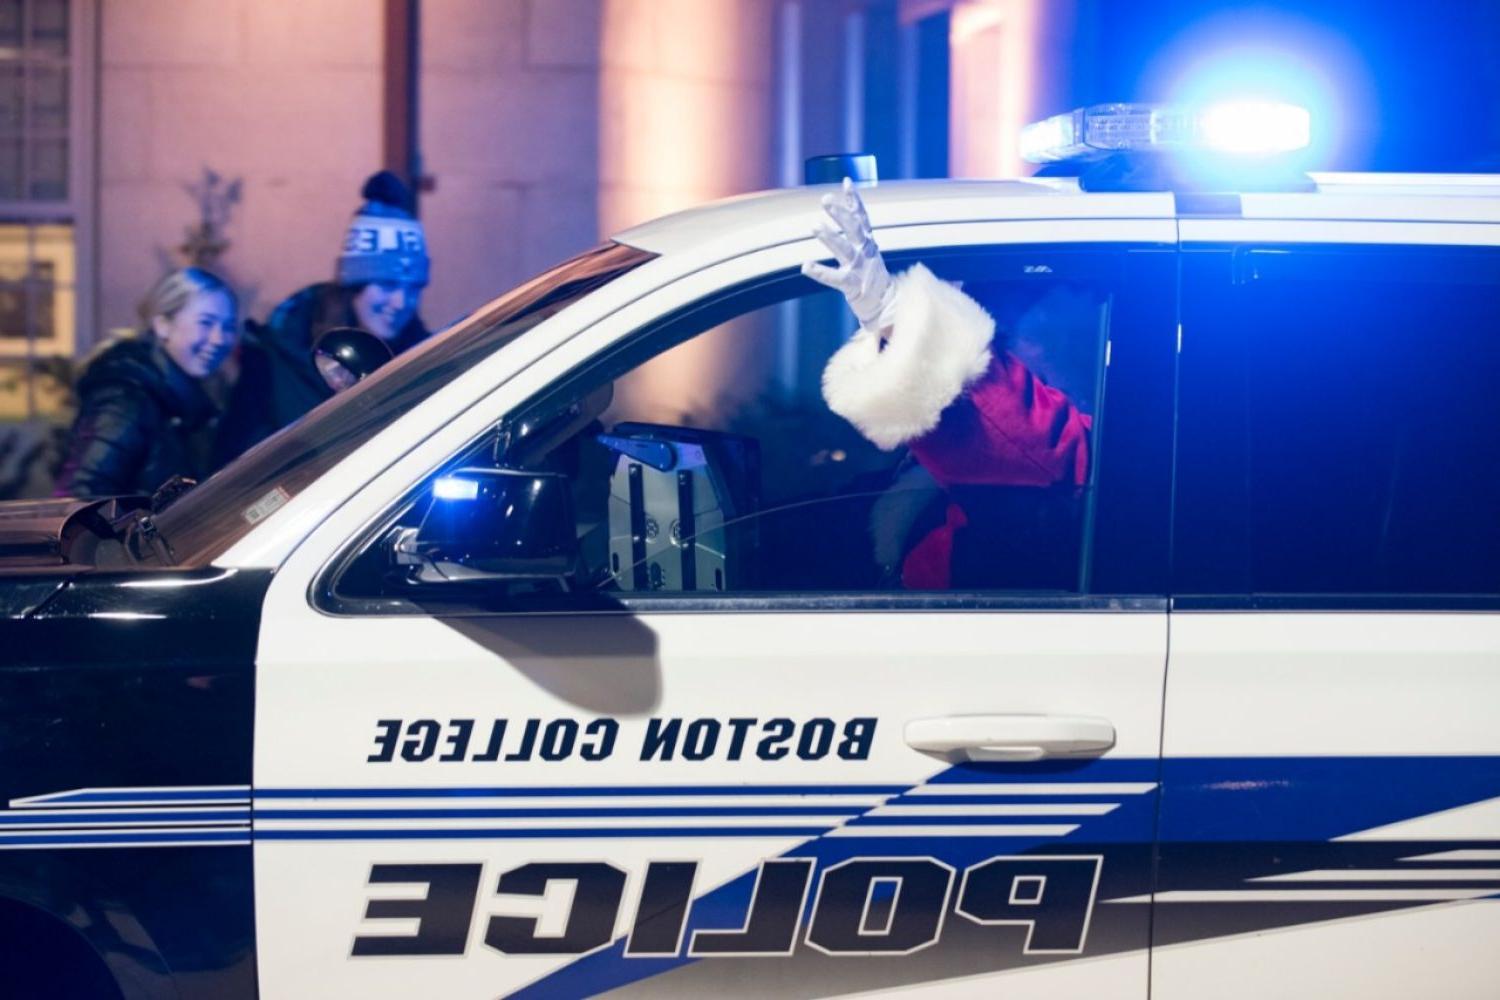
453,488
1052,139
1255,127
1235,127
1276,57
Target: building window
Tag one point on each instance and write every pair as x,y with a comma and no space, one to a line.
45,72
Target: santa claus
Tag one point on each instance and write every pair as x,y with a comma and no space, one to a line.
924,371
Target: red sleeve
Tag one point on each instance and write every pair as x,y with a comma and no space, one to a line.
1009,428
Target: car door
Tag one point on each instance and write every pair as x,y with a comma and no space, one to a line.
1331,803
747,777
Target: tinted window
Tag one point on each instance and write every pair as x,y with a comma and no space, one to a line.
717,467
1338,423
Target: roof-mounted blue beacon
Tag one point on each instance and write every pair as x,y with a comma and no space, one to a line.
858,167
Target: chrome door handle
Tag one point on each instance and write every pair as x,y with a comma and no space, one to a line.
1010,737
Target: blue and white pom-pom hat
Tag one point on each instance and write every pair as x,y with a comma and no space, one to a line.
384,241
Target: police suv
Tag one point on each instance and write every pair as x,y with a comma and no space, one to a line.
571,653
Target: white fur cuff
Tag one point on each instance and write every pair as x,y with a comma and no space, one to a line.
939,343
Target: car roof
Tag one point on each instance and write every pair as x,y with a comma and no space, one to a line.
767,218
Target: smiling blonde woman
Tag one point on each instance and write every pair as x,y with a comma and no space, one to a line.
141,400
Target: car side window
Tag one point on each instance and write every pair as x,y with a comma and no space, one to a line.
701,456
1337,424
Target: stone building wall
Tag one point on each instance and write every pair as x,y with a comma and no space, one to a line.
549,124
284,95
545,124
509,118
687,107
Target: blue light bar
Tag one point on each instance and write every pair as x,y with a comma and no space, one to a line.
1245,128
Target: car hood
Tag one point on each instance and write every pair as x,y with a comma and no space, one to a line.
31,531
23,592
46,533
34,536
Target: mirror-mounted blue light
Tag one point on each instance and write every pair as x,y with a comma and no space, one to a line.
454,488
1245,128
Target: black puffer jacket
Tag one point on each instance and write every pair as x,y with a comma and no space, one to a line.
278,382
137,414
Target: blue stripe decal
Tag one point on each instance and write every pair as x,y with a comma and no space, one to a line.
1008,800
1313,798
1048,772
163,795
111,839
547,833
559,812
724,907
911,820
122,818
595,791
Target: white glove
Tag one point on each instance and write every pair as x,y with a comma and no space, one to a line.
861,273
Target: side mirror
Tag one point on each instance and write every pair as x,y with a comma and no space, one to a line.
493,524
345,354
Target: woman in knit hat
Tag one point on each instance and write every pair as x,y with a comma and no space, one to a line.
378,284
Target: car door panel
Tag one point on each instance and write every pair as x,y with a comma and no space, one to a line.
822,773
683,793
1331,770
1331,820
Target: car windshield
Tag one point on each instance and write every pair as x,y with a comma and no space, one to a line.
218,512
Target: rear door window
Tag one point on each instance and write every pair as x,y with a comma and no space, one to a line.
1338,422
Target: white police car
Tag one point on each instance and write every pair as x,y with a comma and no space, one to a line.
576,651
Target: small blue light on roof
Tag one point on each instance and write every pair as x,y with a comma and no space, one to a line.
454,488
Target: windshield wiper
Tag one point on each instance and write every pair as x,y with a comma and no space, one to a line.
170,492
138,531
